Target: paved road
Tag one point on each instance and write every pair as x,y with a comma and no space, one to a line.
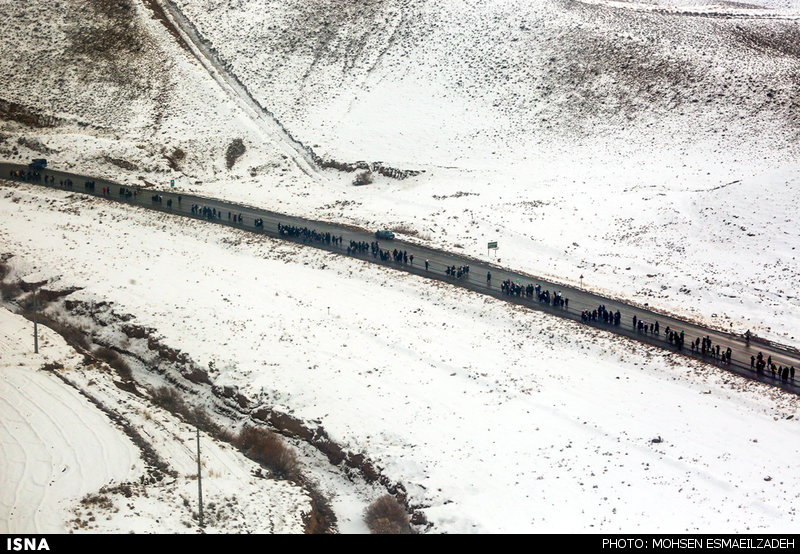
579,300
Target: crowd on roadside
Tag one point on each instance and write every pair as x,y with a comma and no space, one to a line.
702,346
531,291
777,371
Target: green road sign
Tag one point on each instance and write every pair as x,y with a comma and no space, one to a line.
492,245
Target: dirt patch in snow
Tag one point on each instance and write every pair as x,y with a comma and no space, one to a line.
11,111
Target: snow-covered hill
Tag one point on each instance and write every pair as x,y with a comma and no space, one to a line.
480,84
654,154
68,467
647,150
57,447
103,85
494,418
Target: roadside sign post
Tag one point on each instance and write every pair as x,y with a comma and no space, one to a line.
172,183
35,325
199,481
492,246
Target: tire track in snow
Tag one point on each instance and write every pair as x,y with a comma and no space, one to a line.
55,446
56,455
300,154
21,427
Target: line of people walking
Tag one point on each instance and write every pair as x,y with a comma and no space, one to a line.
702,346
307,235
785,373
206,212
602,315
531,291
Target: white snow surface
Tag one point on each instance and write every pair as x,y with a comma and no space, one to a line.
654,154
493,417
67,468
637,149
55,445
756,8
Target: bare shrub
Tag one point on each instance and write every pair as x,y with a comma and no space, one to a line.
71,334
9,291
321,519
174,159
10,111
124,489
404,229
264,446
235,151
386,516
52,366
106,354
99,500
199,418
363,178
227,435
26,303
35,145
119,162
122,368
113,359
169,399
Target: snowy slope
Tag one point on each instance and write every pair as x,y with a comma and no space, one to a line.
491,84
622,146
654,154
68,468
56,447
634,148
115,91
494,418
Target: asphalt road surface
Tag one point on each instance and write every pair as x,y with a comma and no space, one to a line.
475,280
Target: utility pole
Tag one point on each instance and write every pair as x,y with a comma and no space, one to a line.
199,482
35,325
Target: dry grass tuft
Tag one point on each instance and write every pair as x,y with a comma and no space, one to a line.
386,516
267,448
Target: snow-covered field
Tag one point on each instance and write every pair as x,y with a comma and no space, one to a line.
634,147
494,418
638,150
68,468
506,84
56,447
654,154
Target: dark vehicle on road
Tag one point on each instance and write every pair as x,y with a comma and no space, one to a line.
385,235
38,163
